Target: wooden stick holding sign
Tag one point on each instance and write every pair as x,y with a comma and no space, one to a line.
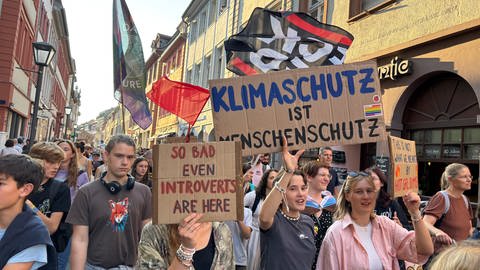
197,178
404,166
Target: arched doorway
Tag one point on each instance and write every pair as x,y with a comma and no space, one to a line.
440,116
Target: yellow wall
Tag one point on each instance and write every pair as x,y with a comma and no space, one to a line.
401,22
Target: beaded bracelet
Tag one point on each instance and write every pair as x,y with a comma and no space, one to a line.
416,219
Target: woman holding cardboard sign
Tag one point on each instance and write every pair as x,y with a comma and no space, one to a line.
286,237
359,239
188,245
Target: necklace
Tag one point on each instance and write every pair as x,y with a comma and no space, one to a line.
289,217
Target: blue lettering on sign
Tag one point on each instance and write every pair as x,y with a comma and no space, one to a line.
217,99
285,85
299,89
364,89
288,91
274,93
318,87
260,92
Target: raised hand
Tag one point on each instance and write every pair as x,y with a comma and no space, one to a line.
290,161
412,202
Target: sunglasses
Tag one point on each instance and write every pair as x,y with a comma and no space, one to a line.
355,174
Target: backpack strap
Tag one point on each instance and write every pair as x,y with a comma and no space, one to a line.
255,203
447,201
467,203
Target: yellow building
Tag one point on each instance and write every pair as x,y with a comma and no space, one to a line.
428,52
209,23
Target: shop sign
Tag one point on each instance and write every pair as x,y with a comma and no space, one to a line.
397,67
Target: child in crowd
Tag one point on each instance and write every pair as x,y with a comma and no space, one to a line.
24,240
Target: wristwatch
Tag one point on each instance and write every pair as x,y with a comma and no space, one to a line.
288,170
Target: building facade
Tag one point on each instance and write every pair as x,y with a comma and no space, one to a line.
25,22
427,53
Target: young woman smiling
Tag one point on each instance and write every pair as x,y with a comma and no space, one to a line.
286,235
359,239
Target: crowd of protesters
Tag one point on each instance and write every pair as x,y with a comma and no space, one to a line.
66,205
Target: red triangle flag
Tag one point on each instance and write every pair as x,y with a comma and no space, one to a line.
182,99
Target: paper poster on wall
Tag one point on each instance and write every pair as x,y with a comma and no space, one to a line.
197,178
328,105
404,166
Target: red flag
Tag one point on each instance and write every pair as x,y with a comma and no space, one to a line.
182,99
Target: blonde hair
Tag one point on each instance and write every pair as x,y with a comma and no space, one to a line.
451,172
343,206
465,256
48,151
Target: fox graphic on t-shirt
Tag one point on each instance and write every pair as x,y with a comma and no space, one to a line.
119,214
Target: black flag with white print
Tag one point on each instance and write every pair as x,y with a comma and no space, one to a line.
274,41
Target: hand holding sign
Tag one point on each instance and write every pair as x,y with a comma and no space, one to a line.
188,230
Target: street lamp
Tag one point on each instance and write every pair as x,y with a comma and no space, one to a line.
43,54
68,111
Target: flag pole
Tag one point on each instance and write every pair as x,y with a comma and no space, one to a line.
123,114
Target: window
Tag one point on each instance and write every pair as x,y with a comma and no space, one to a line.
447,143
206,71
202,21
222,7
316,9
193,30
359,8
218,63
188,76
213,12
179,57
196,75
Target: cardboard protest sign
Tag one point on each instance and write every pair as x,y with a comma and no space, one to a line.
328,105
197,178
404,166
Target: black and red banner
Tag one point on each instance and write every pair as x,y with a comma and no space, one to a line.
274,41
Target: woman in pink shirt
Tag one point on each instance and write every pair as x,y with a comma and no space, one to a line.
361,240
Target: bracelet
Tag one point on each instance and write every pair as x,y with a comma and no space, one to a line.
187,264
187,250
185,254
278,187
416,219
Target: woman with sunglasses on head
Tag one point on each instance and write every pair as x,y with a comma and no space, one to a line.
453,223
318,177
286,235
359,239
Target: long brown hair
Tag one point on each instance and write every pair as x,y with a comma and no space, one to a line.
72,166
173,241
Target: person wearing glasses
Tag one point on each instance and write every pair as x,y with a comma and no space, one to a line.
359,239
449,215
326,156
318,177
